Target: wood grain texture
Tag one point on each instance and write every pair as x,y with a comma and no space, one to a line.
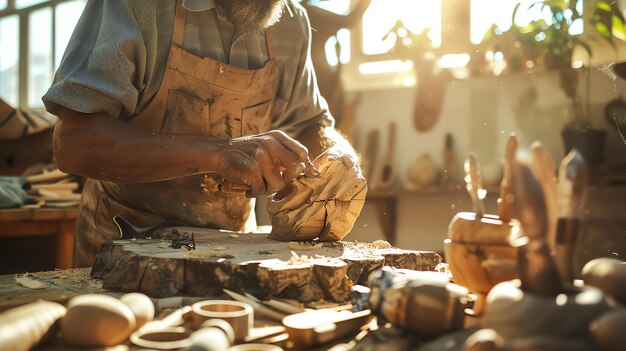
325,207
248,262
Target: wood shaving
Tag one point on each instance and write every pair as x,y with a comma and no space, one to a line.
30,283
381,244
219,248
234,236
297,259
304,245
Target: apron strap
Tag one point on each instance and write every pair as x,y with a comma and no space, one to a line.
269,42
179,24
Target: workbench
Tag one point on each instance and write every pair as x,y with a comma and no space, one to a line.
57,222
62,285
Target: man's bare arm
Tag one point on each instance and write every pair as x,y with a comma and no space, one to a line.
100,147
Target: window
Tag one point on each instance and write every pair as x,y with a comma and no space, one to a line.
33,37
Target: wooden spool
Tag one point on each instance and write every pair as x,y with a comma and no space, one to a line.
245,262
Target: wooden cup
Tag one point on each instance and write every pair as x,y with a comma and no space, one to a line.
238,314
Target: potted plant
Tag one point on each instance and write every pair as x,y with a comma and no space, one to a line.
551,43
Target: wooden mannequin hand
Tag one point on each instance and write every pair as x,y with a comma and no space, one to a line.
258,160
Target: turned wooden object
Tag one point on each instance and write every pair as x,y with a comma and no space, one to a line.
26,326
478,249
96,321
384,175
245,262
607,274
536,266
480,261
544,170
516,314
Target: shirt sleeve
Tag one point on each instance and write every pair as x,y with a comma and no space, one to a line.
306,107
104,67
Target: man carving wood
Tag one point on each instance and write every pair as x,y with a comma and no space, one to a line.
161,101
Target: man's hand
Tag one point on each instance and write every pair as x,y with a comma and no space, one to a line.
258,160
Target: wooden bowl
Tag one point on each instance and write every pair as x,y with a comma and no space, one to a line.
479,267
489,229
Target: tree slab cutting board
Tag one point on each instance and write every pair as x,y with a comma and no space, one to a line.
251,262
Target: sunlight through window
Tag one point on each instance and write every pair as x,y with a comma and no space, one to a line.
416,15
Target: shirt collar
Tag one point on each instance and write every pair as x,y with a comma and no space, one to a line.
198,5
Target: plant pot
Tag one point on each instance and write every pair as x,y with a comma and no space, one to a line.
589,142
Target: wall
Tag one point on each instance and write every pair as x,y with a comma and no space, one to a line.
480,113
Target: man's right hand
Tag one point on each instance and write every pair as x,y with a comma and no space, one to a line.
258,161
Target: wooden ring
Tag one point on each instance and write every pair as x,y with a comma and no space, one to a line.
163,339
255,347
238,314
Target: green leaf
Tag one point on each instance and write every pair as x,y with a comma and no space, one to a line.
603,6
618,29
603,29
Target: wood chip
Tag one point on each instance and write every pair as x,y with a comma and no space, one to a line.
234,236
304,246
219,248
31,283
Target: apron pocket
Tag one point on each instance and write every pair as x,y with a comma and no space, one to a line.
185,114
257,118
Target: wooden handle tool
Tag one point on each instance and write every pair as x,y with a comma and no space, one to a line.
572,188
474,185
544,169
505,202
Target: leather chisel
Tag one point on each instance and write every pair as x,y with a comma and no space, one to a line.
572,187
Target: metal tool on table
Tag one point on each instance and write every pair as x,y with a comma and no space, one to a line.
228,186
474,185
572,188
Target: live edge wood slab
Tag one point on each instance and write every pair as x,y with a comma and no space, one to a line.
245,262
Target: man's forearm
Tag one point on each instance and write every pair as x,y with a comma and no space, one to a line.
98,146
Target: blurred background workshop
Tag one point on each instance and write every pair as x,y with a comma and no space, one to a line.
313,175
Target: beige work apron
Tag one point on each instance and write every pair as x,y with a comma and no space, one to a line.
200,96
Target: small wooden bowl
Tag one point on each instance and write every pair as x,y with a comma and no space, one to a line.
479,267
489,229
238,314
173,338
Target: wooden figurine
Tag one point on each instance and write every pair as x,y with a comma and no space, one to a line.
478,249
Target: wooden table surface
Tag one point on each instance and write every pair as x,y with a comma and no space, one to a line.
62,285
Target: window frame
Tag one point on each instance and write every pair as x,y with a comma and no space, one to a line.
24,42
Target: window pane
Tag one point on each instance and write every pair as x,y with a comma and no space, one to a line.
3,4
382,16
9,67
485,13
337,6
20,4
40,62
67,15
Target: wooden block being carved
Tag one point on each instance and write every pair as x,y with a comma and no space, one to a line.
247,262
325,207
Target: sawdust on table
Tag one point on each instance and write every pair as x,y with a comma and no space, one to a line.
77,277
